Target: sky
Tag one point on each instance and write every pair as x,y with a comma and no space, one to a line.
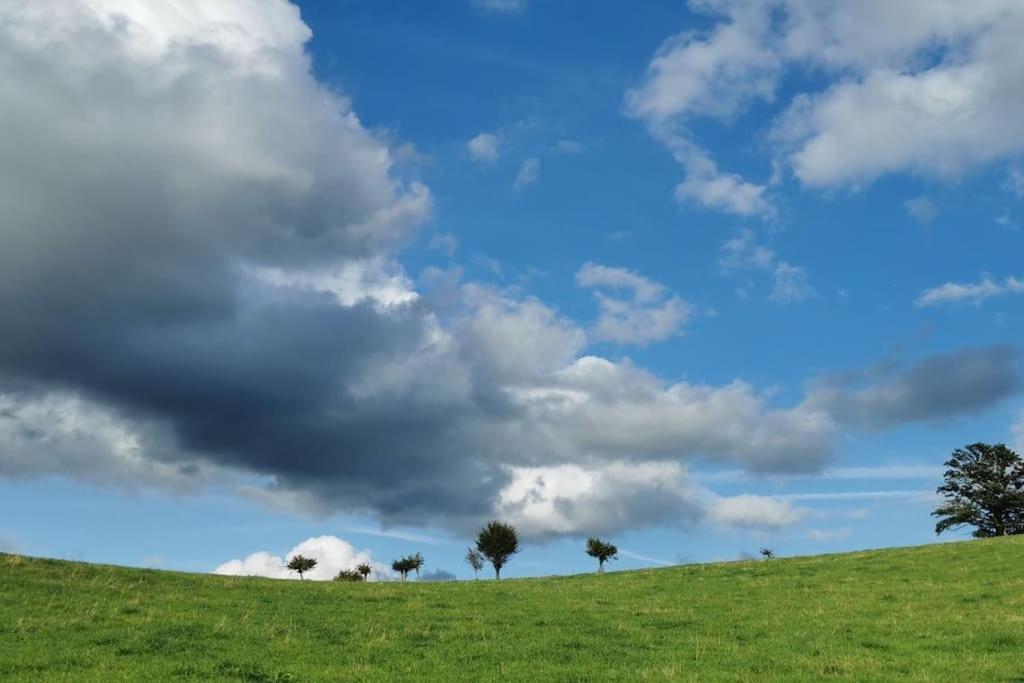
353,278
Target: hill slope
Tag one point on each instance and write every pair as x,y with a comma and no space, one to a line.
942,612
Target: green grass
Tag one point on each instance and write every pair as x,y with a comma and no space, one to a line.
943,613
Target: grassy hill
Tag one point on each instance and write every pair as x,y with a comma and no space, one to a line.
942,612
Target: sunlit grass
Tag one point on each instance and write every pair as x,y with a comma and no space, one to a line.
944,613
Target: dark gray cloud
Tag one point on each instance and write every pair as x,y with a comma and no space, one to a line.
938,387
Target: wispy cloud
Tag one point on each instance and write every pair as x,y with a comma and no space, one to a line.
974,293
643,558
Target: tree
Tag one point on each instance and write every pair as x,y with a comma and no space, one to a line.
767,553
401,567
349,575
417,563
498,542
983,487
364,570
602,551
301,564
475,560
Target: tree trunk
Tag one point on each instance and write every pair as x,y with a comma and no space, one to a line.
600,566
497,573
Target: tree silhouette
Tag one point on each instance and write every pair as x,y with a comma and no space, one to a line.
498,542
364,570
475,560
403,566
301,564
983,487
767,553
602,551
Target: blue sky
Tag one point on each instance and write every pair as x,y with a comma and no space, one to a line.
698,278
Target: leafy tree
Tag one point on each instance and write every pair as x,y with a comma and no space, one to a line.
403,566
364,570
417,563
475,560
498,542
983,487
349,575
767,553
602,551
301,564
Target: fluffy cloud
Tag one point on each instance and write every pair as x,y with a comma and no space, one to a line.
485,147
917,86
650,314
583,500
331,553
971,292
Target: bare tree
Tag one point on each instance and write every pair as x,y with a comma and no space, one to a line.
475,560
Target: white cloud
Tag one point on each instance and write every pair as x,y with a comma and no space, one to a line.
529,173
594,275
790,284
974,293
485,147
920,86
921,209
332,554
743,251
650,314
756,512
587,500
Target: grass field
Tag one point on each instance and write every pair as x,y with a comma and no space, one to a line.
943,613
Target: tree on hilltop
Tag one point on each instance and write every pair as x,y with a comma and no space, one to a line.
301,564
983,487
364,570
602,551
498,542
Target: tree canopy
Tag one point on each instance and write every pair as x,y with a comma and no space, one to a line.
498,542
983,487
602,551
301,564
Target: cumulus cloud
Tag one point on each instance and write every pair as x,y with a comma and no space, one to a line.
444,242
649,314
918,86
528,174
485,147
584,500
975,293
332,554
